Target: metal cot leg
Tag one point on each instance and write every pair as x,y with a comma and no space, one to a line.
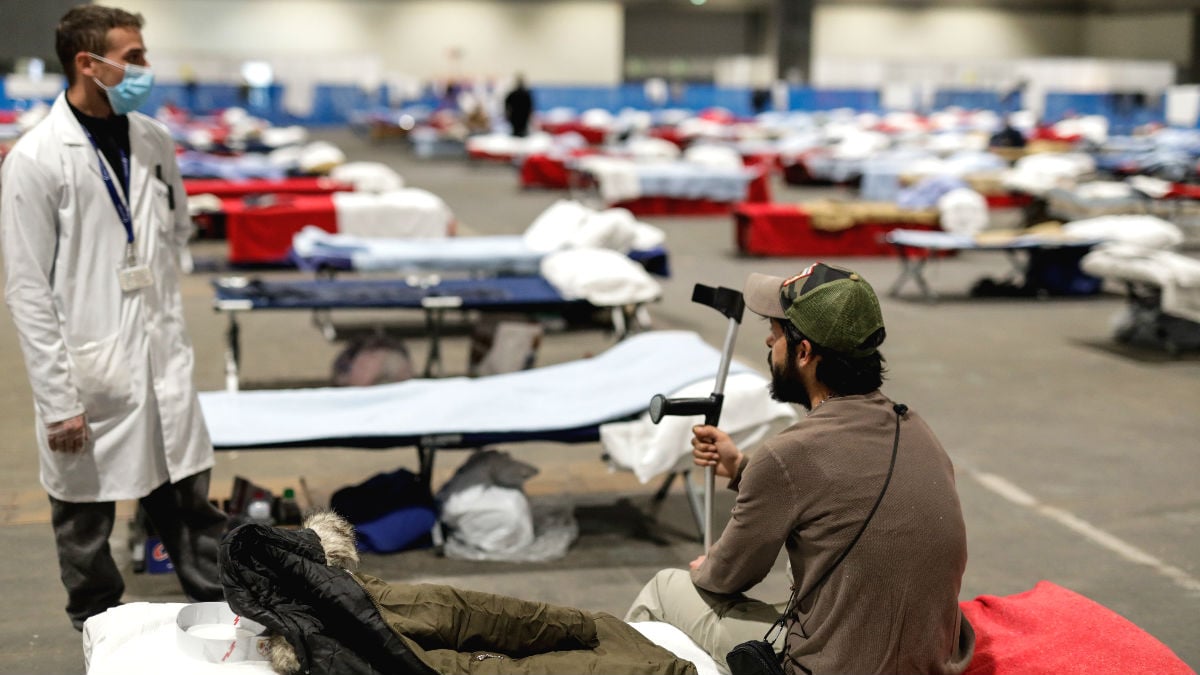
232,354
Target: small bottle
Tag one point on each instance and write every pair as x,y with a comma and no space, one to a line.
259,510
287,511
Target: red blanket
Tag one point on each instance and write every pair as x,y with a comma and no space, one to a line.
1050,630
263,234
252,186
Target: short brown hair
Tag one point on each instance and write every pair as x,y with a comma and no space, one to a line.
85,29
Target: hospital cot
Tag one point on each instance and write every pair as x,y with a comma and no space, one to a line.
1044,264
567,403
432,296
316,250
666,188
603,398
260,227
1163,291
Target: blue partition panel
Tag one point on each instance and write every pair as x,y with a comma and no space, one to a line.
1124,112
974,99
808,98
334,104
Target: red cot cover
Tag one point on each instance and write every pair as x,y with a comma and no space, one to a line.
786,230
1050,630
263,234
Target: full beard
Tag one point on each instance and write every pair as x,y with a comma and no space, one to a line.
786,386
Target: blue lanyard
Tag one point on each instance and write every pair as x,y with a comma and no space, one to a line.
122,209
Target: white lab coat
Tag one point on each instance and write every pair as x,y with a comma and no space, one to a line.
124,358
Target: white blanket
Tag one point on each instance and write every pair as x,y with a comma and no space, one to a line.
570,224
601,276
409,212
1177,275
504,145
1037,174
374,177
616,178
1145,231
141,638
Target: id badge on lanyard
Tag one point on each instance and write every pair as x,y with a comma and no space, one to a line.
131,274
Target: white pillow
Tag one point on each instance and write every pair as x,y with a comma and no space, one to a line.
601,276
368,176
610,228
963,211
556,226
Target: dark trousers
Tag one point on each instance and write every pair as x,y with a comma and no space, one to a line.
190,527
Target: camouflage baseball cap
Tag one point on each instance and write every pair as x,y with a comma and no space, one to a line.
832,306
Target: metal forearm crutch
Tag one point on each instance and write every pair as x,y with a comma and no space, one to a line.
730,303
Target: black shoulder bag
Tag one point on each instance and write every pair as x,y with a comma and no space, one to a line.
758,657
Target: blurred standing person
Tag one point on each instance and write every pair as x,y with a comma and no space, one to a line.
1008,136
93,223
518,107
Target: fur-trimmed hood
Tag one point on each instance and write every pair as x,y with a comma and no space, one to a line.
337,539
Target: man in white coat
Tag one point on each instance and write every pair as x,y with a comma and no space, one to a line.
93,221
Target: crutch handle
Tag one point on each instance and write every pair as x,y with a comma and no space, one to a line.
731,304
710,407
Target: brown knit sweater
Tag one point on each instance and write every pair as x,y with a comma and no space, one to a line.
892,604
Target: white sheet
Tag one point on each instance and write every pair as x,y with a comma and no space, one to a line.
648,449
140,639
616,383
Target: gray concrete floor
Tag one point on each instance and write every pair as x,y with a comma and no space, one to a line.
1078,462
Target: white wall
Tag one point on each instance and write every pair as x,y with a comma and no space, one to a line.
568,41
1162,35
944,33
551,42
873,45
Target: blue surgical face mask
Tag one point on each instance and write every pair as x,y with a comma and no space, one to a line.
132,91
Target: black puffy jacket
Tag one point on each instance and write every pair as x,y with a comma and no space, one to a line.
279,578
